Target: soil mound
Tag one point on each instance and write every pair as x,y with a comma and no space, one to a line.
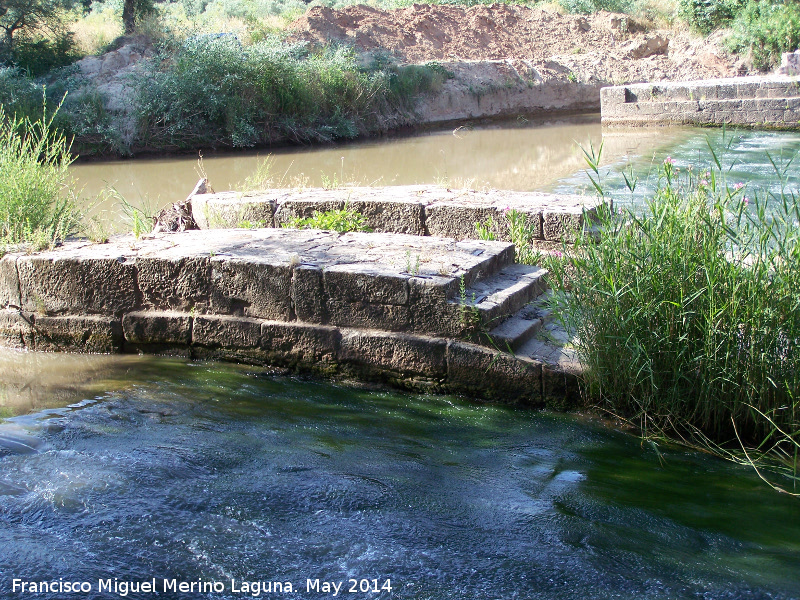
603,45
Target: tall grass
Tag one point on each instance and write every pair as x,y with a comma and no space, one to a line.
687,313
211,90
36,200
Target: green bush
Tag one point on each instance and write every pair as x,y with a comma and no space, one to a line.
36,200
342,221
40,56
82,117
687,314
765,30
213,91
707,15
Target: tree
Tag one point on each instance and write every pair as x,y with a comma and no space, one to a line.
132,12
19,14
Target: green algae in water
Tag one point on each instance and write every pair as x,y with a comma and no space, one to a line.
211,471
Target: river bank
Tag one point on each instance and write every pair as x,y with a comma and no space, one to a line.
361,71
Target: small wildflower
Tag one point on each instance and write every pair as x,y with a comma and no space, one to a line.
746,200
738,186
558,254
669,161
703,182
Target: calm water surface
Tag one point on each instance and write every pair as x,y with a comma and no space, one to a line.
535,155
150,467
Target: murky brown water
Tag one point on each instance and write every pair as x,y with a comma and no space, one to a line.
518,156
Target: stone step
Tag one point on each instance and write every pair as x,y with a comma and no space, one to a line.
519,328
390,282
493,299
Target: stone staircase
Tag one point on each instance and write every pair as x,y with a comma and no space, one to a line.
422,312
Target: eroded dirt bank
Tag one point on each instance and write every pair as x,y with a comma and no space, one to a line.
508,59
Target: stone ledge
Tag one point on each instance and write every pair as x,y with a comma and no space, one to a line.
415,210
769,101
410,361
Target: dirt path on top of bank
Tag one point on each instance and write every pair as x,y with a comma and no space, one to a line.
601,47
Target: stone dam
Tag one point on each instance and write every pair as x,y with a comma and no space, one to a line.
423,312
768,102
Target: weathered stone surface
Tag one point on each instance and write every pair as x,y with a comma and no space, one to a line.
308,294
747,101
401,353
234,209
9,282
16,329
492,374
561,225
294,343
154,327
77,333
251,287
221,331
392,215
174,283
417,210
79,280
289,209
365,283
560,389
366,315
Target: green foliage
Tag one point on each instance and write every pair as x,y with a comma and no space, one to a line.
708,15
342,221
587,7
521,232
36,200
687,314
765,30
40,56
82,116
213,91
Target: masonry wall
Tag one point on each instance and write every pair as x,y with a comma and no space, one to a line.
769,102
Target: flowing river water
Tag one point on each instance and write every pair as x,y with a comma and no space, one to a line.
121,470
133,468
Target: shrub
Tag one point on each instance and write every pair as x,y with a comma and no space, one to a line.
211,90
707,15
765,30
36,200
40,56
687,314
342,221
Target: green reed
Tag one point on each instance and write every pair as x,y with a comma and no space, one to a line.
687,313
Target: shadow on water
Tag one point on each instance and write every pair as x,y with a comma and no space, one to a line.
213,472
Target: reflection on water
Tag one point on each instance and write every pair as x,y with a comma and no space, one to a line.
215,472
518,156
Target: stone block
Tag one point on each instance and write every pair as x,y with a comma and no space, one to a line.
251,288
450,219
73,333
180,284
154,327
392,216
492,374
560,389
76,284
390,317
9,281
220,331
401,353
365,283
558,225
233,209
299,343
16,329
308,294
431,312
295,208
